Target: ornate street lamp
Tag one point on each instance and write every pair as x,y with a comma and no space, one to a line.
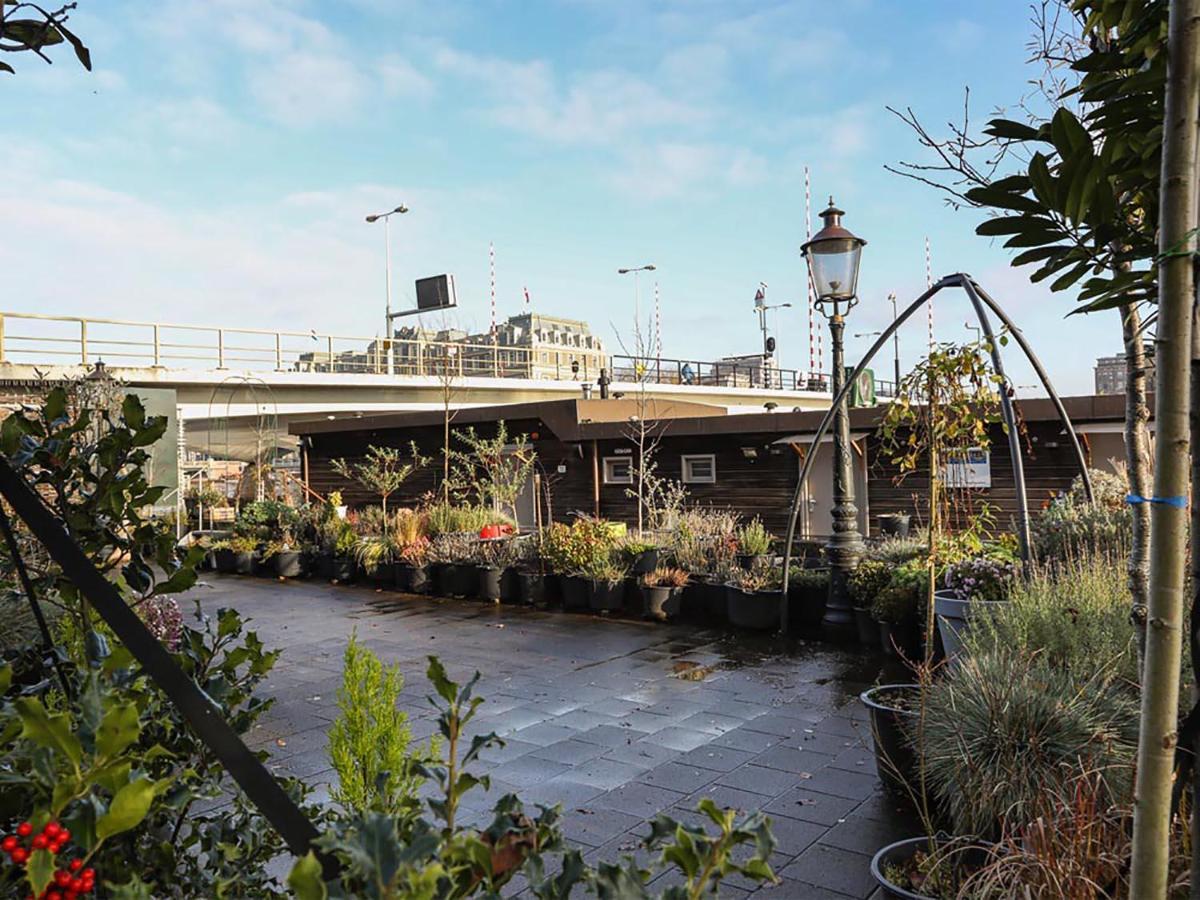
833,257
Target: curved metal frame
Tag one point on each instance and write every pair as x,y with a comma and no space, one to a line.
979,299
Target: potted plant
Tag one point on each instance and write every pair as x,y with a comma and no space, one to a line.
753,543
335,558
496,556
373,556
866,582
895,608
754,598
224,557
641,557
243,548
606,585
580,553
971,585
894,525
808,594
661,592
410,552
928,868
893,709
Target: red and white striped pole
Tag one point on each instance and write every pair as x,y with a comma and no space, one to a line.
814,336
928,285
657,327
492,274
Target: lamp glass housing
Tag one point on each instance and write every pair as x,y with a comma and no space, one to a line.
834,263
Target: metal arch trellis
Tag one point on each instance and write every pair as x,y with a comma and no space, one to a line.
266,423
981,301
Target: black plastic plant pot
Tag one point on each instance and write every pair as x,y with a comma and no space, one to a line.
894,524
466,580
243,562
660,602
323,565
575,590
489,583
225,561
531,588
757,610
289,564
606,596
264,566
893,712
747,560
381,576
806,604
440,578
646,561
342,570
868,628
899,638
716,602
510,586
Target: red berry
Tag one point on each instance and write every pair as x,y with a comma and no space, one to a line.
54,895
25,829
88,874
9,844
70,895
51,830
40,842
20,855
76,885
75,865
62,878
64,835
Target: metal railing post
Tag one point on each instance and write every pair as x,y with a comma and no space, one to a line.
2,339
329,352
278,352
220,348
420,358
83,354
157,359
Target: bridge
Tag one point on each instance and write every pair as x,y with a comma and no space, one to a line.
230,385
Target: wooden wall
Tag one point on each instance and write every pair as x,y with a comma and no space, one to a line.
761,486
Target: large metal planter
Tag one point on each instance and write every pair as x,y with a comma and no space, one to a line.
755,610
954,614
891,724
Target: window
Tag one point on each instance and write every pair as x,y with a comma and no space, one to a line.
618,470
699,469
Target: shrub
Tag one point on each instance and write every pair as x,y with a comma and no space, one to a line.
453,548
753,539
704,540
1073,615
1004,729
585,547
1070,526
666,576
446,518
757,578
904,595
980,578
369,742
895,551
810,579
372,552
867,580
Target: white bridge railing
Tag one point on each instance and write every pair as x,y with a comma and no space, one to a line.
32,339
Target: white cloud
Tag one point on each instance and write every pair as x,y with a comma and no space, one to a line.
672,169
400,78
303,87
598,107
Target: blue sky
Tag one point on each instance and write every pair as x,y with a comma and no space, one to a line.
217,165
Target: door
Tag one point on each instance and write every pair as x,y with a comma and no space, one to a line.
816,503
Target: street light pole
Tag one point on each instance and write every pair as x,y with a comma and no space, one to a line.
761,307
834,254
387,261
895,341
637,298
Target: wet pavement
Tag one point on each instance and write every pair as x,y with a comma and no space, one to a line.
615,719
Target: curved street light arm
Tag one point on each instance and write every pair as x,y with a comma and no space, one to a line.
979,298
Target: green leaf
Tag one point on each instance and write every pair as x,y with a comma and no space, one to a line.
45,730
118,729
1070,138
1007,129
305,878
56,405
436,673
40,870
130,806
33,33
5,678
133,412
1008,225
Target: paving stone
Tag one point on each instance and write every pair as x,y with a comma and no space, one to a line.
545,733
859,834
759,780
677,738
642,753
605,773
810,806
725,796
571,752
528,770
719,759
842,784
639,799
855,759
609,735
744,739
593,827
711,722
834,869
679,776
793,759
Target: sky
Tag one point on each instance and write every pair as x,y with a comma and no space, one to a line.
217,165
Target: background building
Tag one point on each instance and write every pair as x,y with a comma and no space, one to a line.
1110,373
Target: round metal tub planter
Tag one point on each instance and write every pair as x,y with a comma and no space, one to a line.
754,610
342,569
967,855
606,596
409,579
289,564
243,562
891,721
894,524
660,602
646,561
953,615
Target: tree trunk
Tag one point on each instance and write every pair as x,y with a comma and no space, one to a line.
1137,468
1194,620
1169,521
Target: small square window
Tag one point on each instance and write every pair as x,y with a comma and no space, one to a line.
699,469
618,470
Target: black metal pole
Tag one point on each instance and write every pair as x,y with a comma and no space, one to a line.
845,545
1010,423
